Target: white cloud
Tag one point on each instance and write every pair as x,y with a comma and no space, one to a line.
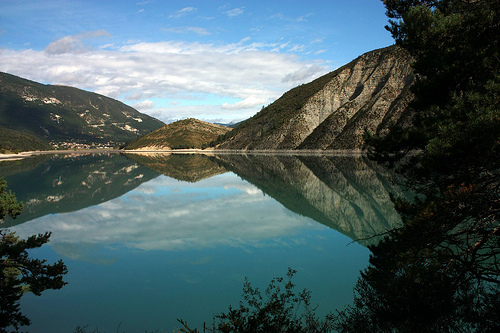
234,12
144,105
281,17
183,12
74,44
302,74
245,104
182,30
170,70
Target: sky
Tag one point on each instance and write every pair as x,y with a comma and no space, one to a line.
217,61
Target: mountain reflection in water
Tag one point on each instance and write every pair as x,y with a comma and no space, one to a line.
50,184
347,193
168,248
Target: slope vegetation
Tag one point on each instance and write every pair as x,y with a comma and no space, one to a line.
12,141
182,134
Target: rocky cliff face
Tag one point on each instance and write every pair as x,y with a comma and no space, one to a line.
334,111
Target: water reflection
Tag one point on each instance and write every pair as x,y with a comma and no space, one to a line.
348,194
172,240
168,215
50,184
174,249
185,167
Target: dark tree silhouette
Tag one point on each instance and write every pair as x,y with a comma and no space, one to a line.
19,273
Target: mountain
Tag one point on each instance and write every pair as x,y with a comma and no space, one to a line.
335,110
186,133
64,114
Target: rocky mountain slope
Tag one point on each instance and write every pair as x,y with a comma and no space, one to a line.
333,111
186,133
66,114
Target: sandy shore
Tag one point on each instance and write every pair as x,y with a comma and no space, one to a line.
13,157
25,154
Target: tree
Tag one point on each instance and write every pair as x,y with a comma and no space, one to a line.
8,202
456,48
19,273
440,272
279,310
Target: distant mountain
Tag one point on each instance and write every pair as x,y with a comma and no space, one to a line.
335,110
65,114
187,133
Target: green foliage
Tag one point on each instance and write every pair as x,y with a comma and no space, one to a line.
456,47
440,272
280,309
8,202
19,273
15,141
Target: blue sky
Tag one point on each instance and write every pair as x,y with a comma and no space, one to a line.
217,61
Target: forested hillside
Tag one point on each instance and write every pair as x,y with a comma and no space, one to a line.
66,116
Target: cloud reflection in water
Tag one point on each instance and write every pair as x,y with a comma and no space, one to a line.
166,214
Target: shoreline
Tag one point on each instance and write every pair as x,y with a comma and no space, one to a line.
340,152
248,152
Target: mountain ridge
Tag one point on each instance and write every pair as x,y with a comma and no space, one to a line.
57,113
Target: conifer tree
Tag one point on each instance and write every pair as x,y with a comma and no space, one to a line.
19,273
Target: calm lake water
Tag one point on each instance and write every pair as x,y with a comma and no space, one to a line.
154,237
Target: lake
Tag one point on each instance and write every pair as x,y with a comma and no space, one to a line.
149,238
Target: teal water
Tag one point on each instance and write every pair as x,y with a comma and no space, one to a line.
149,239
